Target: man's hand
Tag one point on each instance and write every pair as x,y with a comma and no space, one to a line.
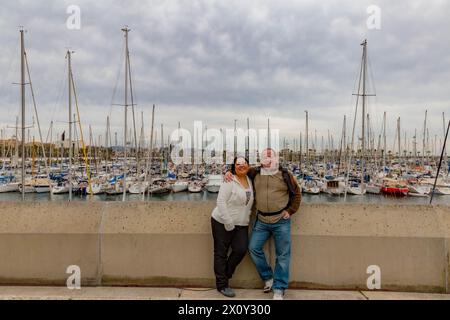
228,177
286,215
229,227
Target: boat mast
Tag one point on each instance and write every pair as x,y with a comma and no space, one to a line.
349,164
16,142
107,139
341,144
247,152
307,142
4,147
299,149
51,144
125,30
384,140
163,156
36,113
69,65
150,155
22,95
415,146
423,140
363,142
235,140
399,145
445,147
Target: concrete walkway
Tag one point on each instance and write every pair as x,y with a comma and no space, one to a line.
115,293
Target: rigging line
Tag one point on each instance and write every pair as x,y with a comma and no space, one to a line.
116,84
35,111
81,135
371,106
353,130
48,133
371,75
132,102
62,88
356,84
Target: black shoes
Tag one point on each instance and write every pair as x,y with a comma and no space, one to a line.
228,292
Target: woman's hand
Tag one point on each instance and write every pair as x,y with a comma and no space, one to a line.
286,215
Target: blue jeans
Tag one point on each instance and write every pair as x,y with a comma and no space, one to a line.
281,232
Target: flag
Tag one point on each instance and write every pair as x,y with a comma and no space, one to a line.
63,136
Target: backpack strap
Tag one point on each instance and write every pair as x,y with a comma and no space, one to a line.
288,181
258,171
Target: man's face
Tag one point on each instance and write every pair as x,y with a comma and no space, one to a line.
269,159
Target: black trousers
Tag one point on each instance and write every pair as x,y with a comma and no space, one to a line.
224,264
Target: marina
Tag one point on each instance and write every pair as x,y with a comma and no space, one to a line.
358,167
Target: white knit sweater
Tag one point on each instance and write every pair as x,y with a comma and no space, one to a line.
231,209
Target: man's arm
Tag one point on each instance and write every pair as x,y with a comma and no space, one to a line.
252,172
296,199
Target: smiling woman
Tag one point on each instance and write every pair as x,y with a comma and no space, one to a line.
229,223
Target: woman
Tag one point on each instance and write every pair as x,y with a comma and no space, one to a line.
229,224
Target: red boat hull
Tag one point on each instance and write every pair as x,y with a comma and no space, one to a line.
398,191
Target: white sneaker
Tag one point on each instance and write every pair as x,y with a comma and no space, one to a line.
278,295
268,286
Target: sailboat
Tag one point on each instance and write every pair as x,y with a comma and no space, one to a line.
195,186
7,185
138,187
394,187
417,190
124,184
360,188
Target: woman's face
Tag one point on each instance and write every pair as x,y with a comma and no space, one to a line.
241,167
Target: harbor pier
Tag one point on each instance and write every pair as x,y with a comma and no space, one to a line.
169,244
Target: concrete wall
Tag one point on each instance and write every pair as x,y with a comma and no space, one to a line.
170,244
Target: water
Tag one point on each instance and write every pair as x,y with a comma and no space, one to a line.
206,196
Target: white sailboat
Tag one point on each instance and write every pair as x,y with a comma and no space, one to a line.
138,187
180,186
195,186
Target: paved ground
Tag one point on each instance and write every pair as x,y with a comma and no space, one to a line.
62,293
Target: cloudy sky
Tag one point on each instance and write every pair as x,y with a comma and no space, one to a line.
217,61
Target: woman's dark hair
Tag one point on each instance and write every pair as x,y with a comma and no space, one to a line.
233,166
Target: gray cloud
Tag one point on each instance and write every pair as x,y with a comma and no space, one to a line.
217,61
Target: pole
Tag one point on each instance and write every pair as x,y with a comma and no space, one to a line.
22,95
363,143
125,30
69,63
440,162
307,136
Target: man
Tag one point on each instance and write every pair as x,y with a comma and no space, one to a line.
277,197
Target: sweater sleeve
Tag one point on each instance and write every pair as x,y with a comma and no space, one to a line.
222,199
296,199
